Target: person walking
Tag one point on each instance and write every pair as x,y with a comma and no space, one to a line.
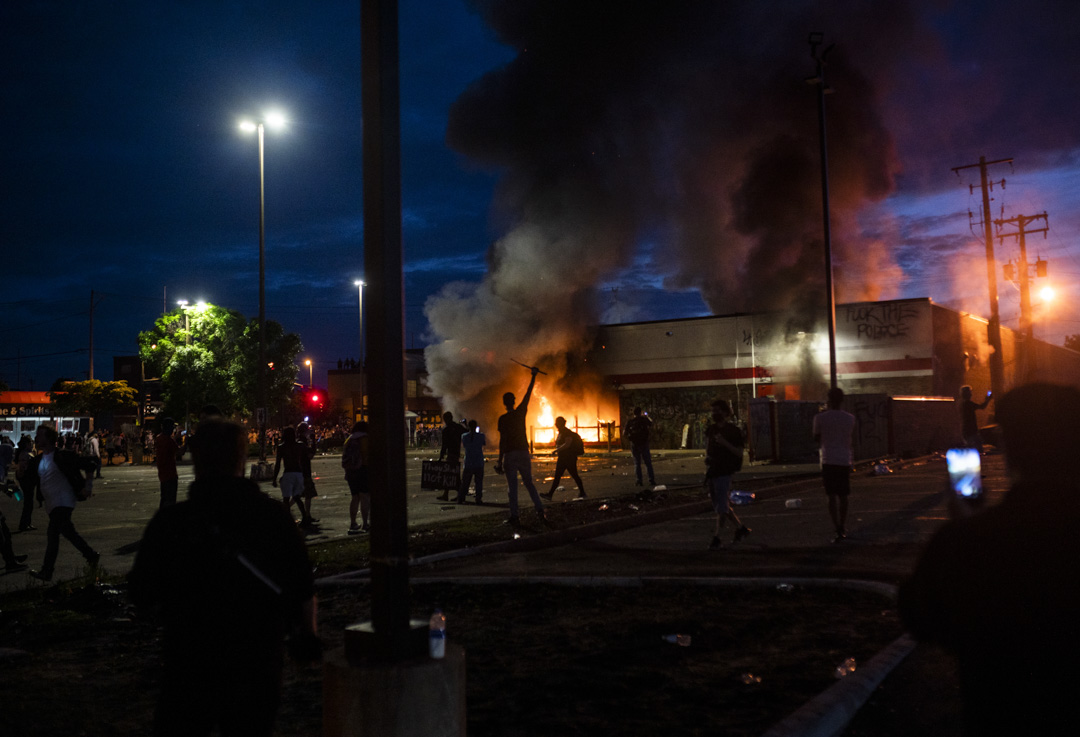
228,574
305,438
833,430
166,451
514,457
637,430
723,459
354,459
568,446
290,454
451,446
55,474
473,441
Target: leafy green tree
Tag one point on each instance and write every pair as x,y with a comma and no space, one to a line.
92,398
209,355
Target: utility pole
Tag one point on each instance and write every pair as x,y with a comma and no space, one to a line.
816,39
1027,331
90,373
993,330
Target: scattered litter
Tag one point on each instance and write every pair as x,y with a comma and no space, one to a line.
603,507
633,507
681,640
561,488
784,587
741,497
750,679
661,487
517,535
882,469
793,504
848,666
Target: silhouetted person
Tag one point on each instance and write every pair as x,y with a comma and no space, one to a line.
473,441
451,445
833,430
354,459
969,424
291,454
229,574
165,454
1000,587
568,447
514,457
637,431
723,459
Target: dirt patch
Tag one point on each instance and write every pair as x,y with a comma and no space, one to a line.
542,660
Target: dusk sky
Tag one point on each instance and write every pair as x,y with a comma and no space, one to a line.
605,161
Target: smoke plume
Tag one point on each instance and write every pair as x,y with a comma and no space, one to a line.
684,130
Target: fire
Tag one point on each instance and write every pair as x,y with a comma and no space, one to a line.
543,424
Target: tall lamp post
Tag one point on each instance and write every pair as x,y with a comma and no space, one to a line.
275,120
816,39
360,287
310,370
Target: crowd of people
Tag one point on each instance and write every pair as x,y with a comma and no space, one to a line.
230,561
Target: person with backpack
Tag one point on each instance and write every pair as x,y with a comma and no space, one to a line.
354,458
56,476
568,447
637,431
723,459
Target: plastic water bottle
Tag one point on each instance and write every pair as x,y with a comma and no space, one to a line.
437,634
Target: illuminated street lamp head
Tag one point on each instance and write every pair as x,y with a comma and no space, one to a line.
307,362
272,120
1047,294
275,119
359,283
182,302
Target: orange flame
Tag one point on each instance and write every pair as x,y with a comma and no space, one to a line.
543,425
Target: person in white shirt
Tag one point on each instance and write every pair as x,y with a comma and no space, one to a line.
55,474
833,430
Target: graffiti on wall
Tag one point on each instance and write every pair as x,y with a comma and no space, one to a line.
871,424
883,321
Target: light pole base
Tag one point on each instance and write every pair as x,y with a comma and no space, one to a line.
419,697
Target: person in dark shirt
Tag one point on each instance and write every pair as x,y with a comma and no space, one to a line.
723,458
969,424
514,457
451,445
165,453
637,430
229,575
567,447
999,587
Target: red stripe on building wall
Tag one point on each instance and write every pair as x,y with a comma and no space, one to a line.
14,397
761,372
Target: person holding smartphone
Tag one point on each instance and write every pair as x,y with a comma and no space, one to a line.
997,587
969,423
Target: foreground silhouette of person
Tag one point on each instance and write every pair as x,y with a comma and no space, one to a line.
1000,587
514,456
228,573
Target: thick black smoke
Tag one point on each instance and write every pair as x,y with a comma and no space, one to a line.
687,126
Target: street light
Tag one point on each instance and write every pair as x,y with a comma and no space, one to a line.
360,287
274,120
310,381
